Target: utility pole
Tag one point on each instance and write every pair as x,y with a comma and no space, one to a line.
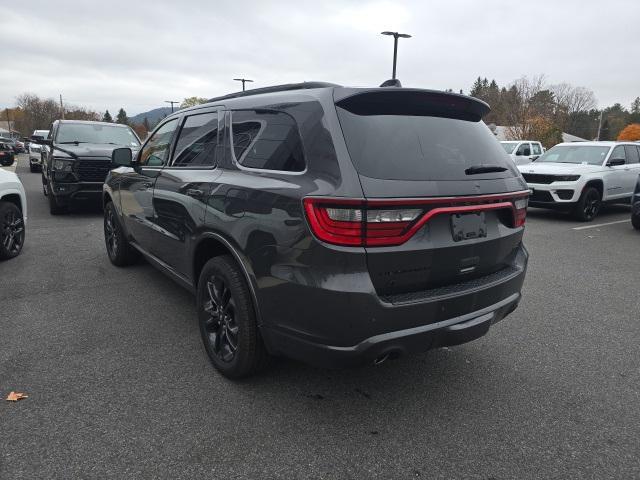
395,36
600,124
171,102
243,80
61,107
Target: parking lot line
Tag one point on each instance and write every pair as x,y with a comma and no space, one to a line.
600,225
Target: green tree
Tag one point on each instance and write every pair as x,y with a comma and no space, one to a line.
122,117
107,117
192,102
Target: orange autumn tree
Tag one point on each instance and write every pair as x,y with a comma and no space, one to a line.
630,132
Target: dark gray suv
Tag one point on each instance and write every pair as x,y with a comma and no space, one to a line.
327,224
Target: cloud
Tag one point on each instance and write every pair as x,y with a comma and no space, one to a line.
139,54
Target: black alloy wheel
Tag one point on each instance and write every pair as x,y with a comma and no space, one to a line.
589,205
220,324
12,230
119,250
227,319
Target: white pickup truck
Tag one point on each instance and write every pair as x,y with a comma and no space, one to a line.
13,214
580,176
523,151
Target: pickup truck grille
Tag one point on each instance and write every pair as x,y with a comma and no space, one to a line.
539,178
93,170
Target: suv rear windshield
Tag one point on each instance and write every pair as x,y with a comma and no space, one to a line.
96,133
415,147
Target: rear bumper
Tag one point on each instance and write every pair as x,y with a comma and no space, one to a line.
341,326
453,331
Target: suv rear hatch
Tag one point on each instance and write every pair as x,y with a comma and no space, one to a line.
443,204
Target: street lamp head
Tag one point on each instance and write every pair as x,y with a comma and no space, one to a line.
404,35
388,33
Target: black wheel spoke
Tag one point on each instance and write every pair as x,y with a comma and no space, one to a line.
220,325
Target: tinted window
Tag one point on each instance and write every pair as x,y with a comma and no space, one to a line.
156,150
631,153
406,147
198,141
267,140
618,152
523,149
536,149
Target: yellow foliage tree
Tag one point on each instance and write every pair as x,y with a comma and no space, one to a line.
630,132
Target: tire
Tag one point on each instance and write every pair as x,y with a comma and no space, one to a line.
54,207
226,316
588,205
33,168
635,216
119,250
12,231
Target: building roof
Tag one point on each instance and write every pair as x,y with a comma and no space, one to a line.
501,133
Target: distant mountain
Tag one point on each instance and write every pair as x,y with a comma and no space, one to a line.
153,116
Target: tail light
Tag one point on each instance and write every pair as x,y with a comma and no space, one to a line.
369,223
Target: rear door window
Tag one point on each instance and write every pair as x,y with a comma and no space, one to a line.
631,153
266,140
198,142
618,153
421,147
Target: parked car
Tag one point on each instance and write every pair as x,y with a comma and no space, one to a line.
77,158
11,142
7,155
523,151
35,150
331,225
20,146
635,206
13,215
580,177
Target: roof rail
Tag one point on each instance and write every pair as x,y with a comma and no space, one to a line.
275,88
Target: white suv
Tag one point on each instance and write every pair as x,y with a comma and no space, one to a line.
523,151
35,150
13,214
578,177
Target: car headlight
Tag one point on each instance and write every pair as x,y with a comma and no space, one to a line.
60,165
567,178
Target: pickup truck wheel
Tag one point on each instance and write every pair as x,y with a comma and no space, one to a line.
227,319
588,206
54,207
32,168
120,251
11,230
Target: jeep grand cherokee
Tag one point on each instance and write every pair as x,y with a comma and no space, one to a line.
331,225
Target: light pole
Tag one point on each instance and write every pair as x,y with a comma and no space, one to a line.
395,36
171,102
243,80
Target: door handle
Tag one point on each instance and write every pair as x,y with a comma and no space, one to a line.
194,192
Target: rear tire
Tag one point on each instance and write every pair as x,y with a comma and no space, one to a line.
227,319
588,205
11,230
120,251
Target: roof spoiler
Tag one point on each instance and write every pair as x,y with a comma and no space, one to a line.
408,101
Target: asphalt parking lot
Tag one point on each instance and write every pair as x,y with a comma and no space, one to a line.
119,384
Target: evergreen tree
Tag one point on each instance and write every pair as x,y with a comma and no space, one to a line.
122,117
107,117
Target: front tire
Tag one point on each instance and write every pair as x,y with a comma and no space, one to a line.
54,207
635,216
120,251
227,319
588,205
12,231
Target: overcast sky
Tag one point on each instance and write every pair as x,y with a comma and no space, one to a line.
137,54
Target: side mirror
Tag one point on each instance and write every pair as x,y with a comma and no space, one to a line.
614,162
122,157
37,137
535,157
41,140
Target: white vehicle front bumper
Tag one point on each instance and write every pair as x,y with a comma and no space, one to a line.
554,194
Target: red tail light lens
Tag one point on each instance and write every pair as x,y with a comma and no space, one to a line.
369,223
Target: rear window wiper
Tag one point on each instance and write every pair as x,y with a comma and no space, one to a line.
476,169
